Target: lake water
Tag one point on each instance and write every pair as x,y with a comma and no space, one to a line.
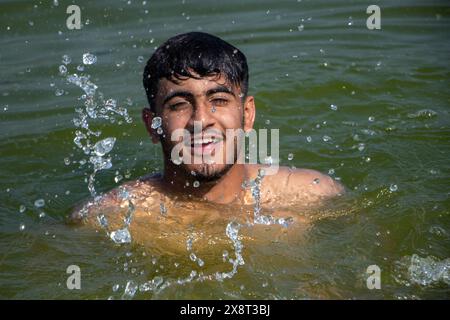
368,107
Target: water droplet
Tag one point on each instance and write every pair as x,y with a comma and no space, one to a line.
42,214
66,59
196,184
371,119
316,181
162,209
39,203
62,70
22,208
393,187
104,146
308,138
350,22
130,290
225,255
326,138
117,178
156,122
89,58
189,241
290,156
333,107
331,171
115,287
301,27
66,161
102,220
159,130
121,236
22,227
361,146
140,59
80,68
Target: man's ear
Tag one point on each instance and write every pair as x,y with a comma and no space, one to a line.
249,113
147,117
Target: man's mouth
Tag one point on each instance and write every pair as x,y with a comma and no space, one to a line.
204,145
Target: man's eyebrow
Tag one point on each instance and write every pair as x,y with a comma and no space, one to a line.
219,89
187,94
184,94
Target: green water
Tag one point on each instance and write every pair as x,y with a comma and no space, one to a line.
387,142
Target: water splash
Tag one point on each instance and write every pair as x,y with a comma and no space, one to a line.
258,217
423,271
121,236
130,290
232,232
89,58
94,107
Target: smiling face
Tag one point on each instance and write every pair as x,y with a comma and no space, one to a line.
206,108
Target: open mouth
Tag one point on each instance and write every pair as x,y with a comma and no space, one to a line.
204,145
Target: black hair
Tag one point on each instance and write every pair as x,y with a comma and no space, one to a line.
194,55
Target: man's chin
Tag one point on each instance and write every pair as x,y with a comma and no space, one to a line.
208,172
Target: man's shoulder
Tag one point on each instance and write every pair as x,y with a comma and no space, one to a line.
116,197
294,180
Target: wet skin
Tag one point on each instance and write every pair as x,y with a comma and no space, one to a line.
220,196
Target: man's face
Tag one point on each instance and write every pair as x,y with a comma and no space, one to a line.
209,103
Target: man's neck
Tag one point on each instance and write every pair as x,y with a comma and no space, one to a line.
224,190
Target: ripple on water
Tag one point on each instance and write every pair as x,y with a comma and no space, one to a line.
423,114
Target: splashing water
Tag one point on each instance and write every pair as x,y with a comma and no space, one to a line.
258,218
121,236
95,107
424,271
130,290
89,58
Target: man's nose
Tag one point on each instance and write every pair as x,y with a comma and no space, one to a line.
203,113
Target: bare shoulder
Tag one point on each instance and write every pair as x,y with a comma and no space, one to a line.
315,182
301,184
115,198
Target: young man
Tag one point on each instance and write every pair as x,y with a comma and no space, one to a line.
198,83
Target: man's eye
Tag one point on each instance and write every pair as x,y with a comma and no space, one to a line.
178,105
219,101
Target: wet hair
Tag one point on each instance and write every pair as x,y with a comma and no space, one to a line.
194,55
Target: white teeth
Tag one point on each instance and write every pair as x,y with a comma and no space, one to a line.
206,140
